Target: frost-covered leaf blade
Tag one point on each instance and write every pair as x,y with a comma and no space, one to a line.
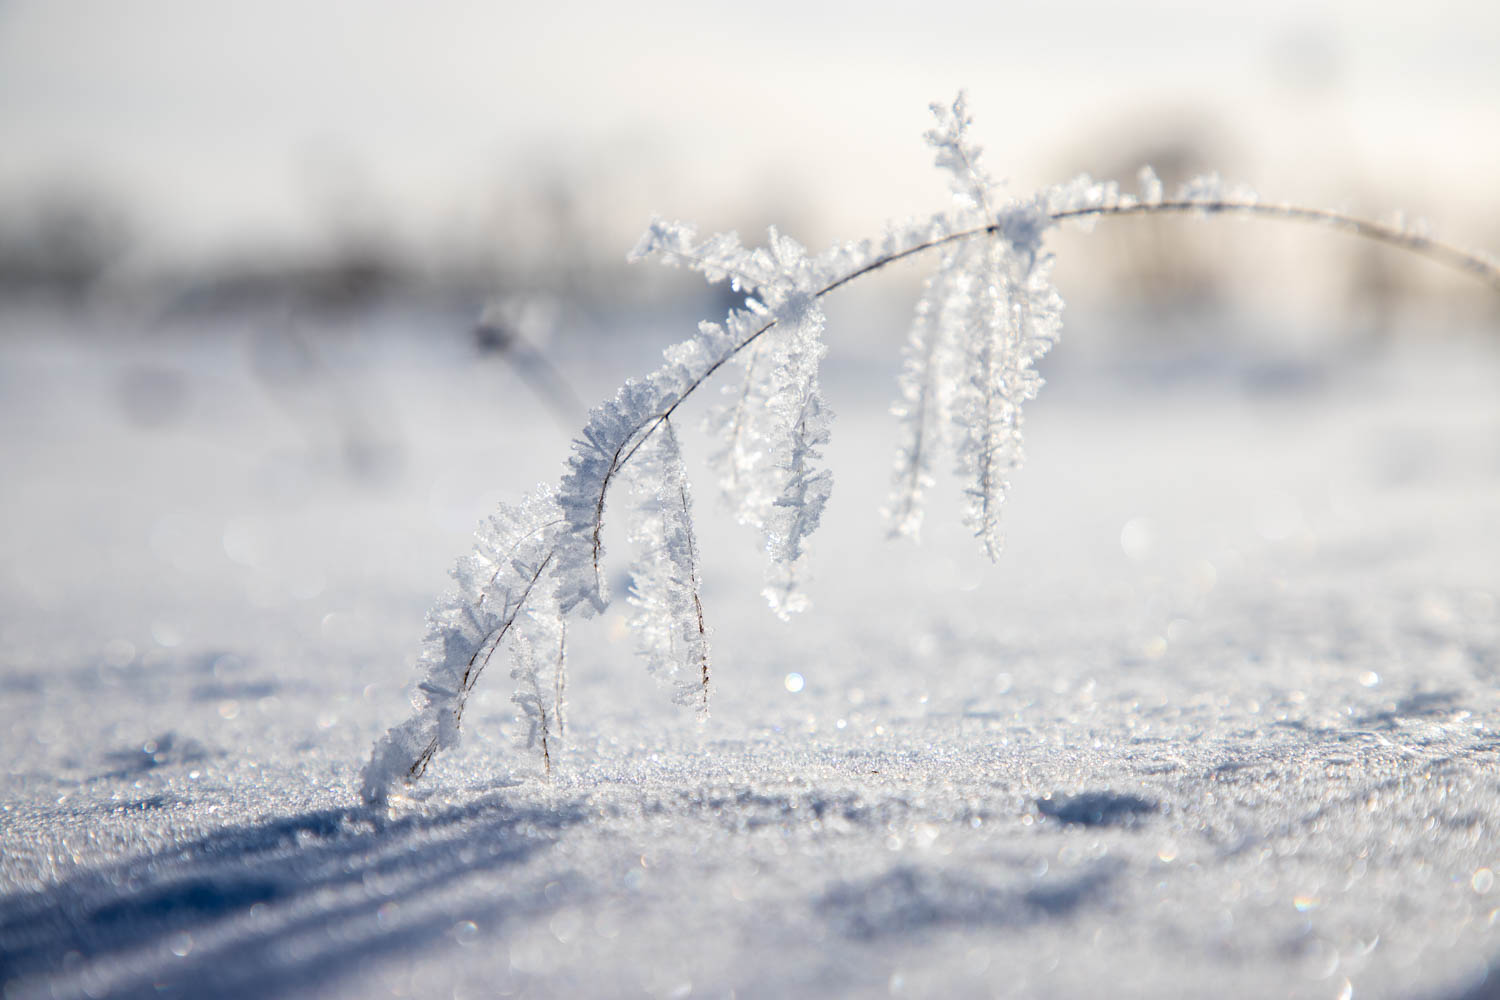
665,591
931,360
796,512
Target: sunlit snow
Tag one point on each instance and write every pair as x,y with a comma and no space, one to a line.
1220,720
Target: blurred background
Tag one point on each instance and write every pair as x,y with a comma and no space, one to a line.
206,154
291,293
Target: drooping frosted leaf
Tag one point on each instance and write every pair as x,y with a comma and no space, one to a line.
538,666
754,425
668,622
1013,319
983,321
791,427
929,362
795,513
738,426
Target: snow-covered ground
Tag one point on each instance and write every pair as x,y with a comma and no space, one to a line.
1223,719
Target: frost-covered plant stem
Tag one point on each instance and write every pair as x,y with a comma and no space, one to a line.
1480,266
986,317
477,662
1404,239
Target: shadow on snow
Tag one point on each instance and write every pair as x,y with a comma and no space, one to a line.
258,909
910,899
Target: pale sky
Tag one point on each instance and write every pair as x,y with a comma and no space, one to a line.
217,122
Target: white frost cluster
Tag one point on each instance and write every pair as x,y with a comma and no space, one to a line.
1210,191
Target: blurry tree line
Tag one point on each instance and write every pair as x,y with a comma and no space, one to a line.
540,234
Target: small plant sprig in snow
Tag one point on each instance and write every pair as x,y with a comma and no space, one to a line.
985,317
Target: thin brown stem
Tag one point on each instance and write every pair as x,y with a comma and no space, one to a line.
472,671
1481,267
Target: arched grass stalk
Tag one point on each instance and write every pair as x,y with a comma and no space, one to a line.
987,315
1476,264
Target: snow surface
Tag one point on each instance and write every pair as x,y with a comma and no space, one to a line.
1222,719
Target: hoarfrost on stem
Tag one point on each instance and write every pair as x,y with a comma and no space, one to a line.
984,320
615,430
500,587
